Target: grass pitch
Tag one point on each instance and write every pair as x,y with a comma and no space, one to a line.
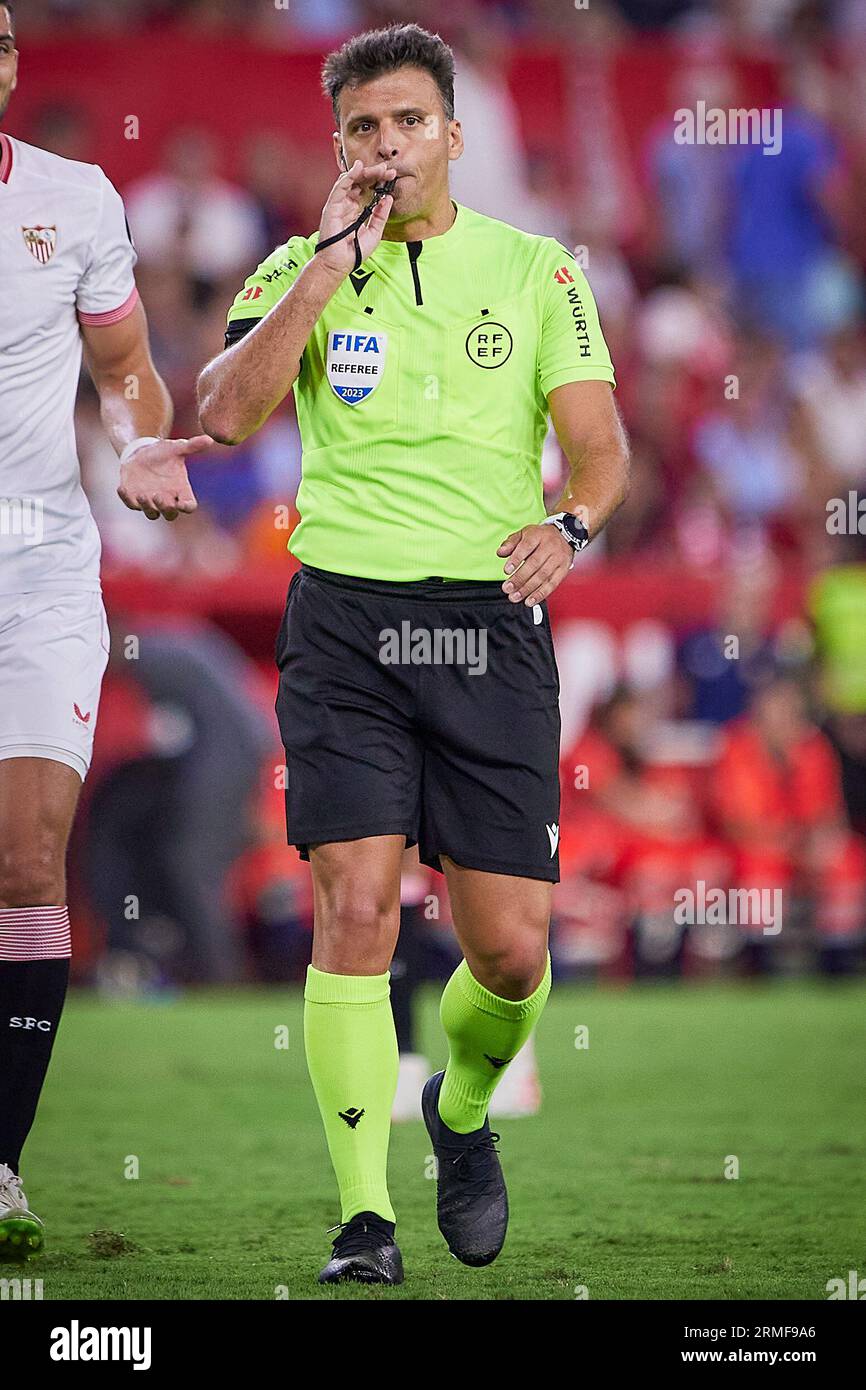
617,1188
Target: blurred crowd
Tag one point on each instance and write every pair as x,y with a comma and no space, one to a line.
739,20
731,293
730,285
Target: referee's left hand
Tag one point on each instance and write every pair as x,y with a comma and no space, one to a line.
154,479
539,558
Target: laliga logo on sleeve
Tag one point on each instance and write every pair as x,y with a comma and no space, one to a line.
355,364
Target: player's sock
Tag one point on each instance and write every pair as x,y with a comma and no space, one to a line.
34,971
352,1057
484,1033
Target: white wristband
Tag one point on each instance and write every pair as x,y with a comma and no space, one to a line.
135,444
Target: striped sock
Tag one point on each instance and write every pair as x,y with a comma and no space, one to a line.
35,946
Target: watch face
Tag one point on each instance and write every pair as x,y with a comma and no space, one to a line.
575,530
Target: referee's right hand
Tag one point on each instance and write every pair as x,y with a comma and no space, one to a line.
347,199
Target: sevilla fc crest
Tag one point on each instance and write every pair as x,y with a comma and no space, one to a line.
40,242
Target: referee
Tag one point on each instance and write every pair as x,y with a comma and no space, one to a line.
418,701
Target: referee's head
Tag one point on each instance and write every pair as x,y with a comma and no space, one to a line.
392,91
8,57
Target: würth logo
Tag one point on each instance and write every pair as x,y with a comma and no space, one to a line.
497,1062
564,276
351,1115
84,718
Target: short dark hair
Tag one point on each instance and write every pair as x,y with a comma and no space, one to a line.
6,6
378,51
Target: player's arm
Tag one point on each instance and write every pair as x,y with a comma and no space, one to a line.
240,388
135,405
576,377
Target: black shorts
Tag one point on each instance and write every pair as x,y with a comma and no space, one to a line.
429,710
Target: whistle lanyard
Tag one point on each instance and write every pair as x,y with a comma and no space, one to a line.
352,229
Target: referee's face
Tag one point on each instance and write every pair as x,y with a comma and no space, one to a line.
8,60
399,118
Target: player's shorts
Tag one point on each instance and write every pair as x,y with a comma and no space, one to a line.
53,654
429,710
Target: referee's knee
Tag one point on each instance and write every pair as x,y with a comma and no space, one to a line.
356,931
513,970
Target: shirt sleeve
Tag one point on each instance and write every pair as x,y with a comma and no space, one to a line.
106,292
266,287
572,346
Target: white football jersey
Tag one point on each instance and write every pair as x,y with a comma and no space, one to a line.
66,259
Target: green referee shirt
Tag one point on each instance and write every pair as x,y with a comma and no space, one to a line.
422,395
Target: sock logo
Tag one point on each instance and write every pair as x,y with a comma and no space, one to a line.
498,1062
351,1115
43,1024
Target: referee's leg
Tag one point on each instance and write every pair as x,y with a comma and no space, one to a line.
349,1034
495,997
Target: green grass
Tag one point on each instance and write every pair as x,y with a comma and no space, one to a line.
618,1185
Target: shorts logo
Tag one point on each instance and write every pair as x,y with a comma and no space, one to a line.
489,344
564,276
82,718
553,837
41,242
43,1024
355,364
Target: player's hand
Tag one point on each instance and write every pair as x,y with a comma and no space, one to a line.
347,199
539,558
154,479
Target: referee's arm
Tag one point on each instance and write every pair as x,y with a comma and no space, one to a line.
589,429
240,388
593,440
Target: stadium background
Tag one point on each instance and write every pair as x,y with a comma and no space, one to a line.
730,285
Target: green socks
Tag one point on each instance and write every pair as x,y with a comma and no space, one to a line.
484,1033
352,1057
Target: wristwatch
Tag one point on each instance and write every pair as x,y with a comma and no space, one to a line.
568,526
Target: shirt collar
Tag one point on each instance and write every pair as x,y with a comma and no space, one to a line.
444,242
6,157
